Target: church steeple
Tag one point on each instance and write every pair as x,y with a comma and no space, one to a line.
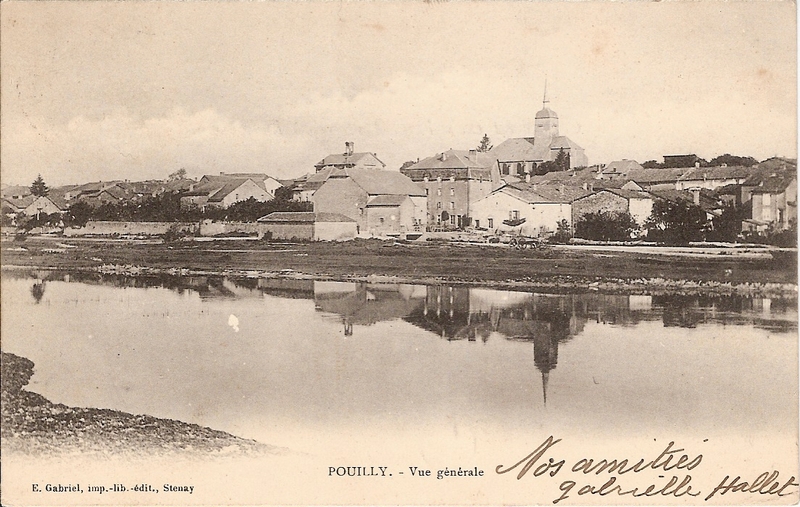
546,127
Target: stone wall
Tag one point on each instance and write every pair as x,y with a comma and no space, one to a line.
113,228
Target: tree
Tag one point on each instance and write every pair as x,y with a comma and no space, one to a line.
727,225
486,144
652,164
38,188
78,214
677,222
177,175
562,160
606,226
729,159
563,232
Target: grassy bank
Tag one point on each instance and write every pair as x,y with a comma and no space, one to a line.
422,262
32,424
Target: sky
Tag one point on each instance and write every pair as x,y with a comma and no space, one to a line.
137,90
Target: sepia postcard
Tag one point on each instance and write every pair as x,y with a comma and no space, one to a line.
399,253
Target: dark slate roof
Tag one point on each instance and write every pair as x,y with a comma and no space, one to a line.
458,164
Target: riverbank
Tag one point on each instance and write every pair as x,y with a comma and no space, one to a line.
31,424
552,269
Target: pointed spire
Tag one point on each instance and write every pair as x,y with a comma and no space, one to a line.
545,378
544,100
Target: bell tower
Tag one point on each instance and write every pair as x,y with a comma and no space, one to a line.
546,126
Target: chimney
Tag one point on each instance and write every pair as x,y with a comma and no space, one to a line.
697,164
348,148
696,195
473,155
528,178
443,157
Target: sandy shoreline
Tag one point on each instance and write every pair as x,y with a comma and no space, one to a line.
33,425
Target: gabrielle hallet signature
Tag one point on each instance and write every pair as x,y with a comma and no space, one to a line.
671,459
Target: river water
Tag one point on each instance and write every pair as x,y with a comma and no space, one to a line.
277,360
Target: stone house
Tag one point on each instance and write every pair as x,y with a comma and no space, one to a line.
452,181
381,202
528,209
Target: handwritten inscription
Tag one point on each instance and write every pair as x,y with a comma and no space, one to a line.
543,461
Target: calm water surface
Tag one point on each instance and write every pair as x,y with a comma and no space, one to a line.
288,362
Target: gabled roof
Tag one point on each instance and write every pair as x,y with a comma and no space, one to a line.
15,190
565,142
527,149
341,159
655,176
228,188
515,149
622,166
774,184
379,182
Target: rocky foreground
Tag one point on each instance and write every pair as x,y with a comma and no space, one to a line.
32,424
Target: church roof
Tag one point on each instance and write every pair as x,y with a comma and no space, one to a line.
546,112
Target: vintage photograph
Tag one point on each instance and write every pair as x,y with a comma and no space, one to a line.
399,253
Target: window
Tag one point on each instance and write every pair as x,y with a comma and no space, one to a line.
438,191
381,220
452,191
767,200
491,223
477,224
452,205
452,220
513,215
426,192
438,205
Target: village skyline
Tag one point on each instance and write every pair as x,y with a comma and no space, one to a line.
108,91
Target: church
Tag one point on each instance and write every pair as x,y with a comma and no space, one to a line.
521,155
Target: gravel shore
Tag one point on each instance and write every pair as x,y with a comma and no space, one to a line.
32,424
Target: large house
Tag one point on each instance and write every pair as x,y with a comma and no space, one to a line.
350,159
526,208
229,188
452,181
521,155
303,189
381,202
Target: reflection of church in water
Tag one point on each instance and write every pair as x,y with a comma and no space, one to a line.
546,321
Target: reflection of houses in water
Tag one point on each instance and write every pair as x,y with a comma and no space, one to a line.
366,304
446,313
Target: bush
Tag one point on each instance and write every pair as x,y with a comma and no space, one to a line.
174,233
606,226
